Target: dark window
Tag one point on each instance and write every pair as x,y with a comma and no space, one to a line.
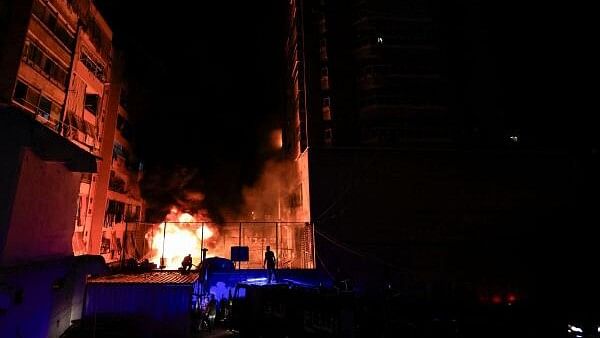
91,103
39,10
50,67
45,106
20,91
32,97
36,57
50,19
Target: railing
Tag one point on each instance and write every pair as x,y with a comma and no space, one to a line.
166,244
66,129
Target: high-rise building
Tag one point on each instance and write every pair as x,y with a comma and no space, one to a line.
366,73
374,132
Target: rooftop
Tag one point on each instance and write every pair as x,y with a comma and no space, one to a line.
155,277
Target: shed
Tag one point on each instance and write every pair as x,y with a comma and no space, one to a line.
152,304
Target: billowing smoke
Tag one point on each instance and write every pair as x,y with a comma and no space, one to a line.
222,194
164,188
268,199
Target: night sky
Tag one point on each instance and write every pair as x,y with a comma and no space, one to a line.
207,85
206,89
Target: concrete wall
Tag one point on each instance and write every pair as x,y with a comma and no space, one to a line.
44,207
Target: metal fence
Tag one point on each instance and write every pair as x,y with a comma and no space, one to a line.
166,244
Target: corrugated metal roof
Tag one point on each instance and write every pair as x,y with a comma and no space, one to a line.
155,277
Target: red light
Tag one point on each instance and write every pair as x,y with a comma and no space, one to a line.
511,298
496,299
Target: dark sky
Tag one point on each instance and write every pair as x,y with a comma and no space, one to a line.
205,90
207,79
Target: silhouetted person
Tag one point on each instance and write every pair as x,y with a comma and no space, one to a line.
187,262
269,263
211,311
145,265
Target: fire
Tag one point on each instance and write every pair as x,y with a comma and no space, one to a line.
183,235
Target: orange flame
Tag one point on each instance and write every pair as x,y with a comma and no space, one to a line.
183,235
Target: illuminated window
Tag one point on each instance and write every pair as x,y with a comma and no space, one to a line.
380,40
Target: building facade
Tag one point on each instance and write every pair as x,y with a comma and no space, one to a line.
124,202
59,107
381,173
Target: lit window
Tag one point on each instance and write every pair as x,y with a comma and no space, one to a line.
380,40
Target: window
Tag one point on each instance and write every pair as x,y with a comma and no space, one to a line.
322,25
324,78
91,103
323,49
45,106
32,97
328,136
20,91
34,56
50,19
38,103
96,68
49,67
326,113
